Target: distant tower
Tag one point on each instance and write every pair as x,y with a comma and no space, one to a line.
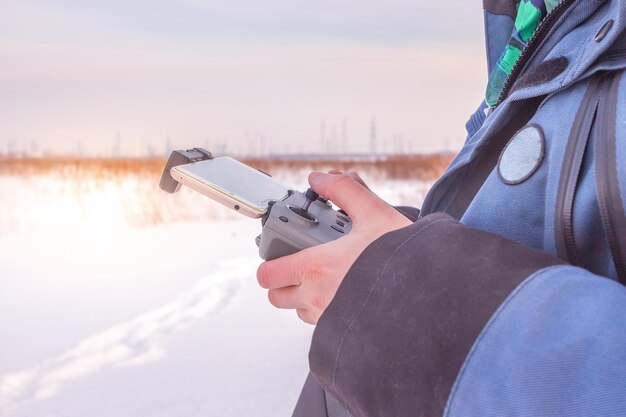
150,152
245,144
262,146
12,147
399,139
34,148
117,149
332,143
323,143
168,146
344,135
222,148
373,140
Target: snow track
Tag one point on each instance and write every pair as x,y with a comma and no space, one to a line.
119,300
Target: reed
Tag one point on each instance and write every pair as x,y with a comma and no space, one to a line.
99,194
404,167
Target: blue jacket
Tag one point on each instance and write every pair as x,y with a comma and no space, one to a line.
504,297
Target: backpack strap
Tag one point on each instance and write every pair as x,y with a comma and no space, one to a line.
476,172
573,158
607,182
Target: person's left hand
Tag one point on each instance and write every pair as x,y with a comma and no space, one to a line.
308,280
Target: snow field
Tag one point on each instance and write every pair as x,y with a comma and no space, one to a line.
118,299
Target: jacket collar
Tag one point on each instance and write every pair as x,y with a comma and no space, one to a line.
576,38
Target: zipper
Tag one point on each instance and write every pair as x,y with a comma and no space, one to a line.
531,47
570,172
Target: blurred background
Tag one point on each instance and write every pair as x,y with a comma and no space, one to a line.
118,299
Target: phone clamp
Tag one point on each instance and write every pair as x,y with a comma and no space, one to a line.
169,184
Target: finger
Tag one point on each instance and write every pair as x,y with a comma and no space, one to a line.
352,174
307,316
281,272
347,193
270,276
358,179
288,297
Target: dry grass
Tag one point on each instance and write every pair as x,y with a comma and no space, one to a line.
419,167
64,194
101,168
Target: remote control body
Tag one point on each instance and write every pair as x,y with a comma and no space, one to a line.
298,221
287,228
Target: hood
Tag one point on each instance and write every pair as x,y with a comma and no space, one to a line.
573,40
582,16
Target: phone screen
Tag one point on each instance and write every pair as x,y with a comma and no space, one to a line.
236,180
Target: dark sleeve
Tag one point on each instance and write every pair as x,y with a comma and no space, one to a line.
410,213
396,334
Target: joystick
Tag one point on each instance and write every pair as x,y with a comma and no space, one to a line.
299,221
303,211
310,196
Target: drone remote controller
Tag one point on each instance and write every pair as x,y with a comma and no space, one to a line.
296,222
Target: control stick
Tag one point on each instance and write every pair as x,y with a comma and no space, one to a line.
310,196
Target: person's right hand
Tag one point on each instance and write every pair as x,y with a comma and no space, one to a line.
308,280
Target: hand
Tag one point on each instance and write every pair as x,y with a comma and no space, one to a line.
351,174
308,280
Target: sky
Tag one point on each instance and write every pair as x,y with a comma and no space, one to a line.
140,76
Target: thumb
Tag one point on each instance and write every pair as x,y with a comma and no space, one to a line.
345,192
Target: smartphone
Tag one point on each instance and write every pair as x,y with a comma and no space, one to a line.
232,183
